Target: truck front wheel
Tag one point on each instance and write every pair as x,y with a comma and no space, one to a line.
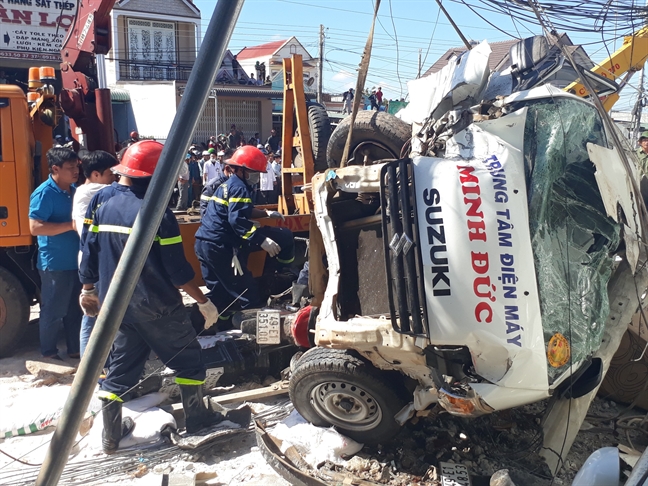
337,388
14,312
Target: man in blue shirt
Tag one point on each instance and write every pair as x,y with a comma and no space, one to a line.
50,220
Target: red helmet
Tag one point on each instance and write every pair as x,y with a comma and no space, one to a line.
134,135
140,159
250,158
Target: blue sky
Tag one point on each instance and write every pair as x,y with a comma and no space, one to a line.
415,24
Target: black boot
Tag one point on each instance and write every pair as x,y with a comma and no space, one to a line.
114,429
197,414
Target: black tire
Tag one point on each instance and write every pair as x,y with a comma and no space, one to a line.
14,312
384,133
326,382
320,132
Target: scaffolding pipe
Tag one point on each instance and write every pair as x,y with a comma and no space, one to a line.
139,243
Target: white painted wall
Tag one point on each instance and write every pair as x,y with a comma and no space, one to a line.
154,107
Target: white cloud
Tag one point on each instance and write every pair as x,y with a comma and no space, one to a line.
342,76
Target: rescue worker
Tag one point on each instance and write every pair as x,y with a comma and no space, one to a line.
156,318
226,235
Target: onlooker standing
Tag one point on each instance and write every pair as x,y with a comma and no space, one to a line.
235,138
642,153
276,164
379,97
50,219
195,179
267,184
274,141
372,100
183,186
97,170
347,99
212,170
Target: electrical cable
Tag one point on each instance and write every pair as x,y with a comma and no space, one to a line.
154,372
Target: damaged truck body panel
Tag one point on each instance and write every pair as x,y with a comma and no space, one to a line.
488,252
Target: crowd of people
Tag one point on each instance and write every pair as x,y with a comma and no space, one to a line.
206,162
82,230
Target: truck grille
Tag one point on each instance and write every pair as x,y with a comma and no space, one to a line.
402,250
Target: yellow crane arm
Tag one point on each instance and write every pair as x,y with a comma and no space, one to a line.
631,56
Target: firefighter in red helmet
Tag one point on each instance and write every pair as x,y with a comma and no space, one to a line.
226,235
156,318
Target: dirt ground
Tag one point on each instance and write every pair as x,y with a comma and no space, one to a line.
508,440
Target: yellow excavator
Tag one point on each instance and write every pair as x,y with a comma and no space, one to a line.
619,66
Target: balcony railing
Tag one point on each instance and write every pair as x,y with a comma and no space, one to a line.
152,71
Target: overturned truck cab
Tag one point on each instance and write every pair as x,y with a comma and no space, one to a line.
475,279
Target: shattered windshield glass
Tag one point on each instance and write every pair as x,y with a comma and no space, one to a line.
572,237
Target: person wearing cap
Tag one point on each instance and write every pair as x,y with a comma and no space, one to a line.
156,318
227,235
642,153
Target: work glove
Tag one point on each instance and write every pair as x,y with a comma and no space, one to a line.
271,247
209,312
275,215
89,302
236,265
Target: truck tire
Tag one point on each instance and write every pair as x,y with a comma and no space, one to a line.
319,126
332,387
14,312
381,135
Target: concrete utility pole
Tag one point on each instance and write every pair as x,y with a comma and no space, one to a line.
320,74
419,69
140,241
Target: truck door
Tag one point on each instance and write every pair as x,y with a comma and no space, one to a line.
9,221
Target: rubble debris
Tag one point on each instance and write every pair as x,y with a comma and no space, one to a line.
501,478
49,366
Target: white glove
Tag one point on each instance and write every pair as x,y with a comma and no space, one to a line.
209,312
236,265
89,302
271,247
275,215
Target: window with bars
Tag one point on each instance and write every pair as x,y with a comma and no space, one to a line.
245,114
151,50
206,126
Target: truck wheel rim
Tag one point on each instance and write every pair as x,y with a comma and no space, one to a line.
346,405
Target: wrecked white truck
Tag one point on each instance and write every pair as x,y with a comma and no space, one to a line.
473,274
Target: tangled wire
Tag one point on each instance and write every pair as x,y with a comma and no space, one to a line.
606,17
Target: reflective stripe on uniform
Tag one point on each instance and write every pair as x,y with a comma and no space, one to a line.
87,221
220,201
106,395
290,260
169,241
204,197
188,381
240,200
249,234
125,230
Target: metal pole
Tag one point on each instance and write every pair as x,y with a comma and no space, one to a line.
638,108
455,26
320,79
140,241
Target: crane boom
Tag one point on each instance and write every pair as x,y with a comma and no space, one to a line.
629,58
83,99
